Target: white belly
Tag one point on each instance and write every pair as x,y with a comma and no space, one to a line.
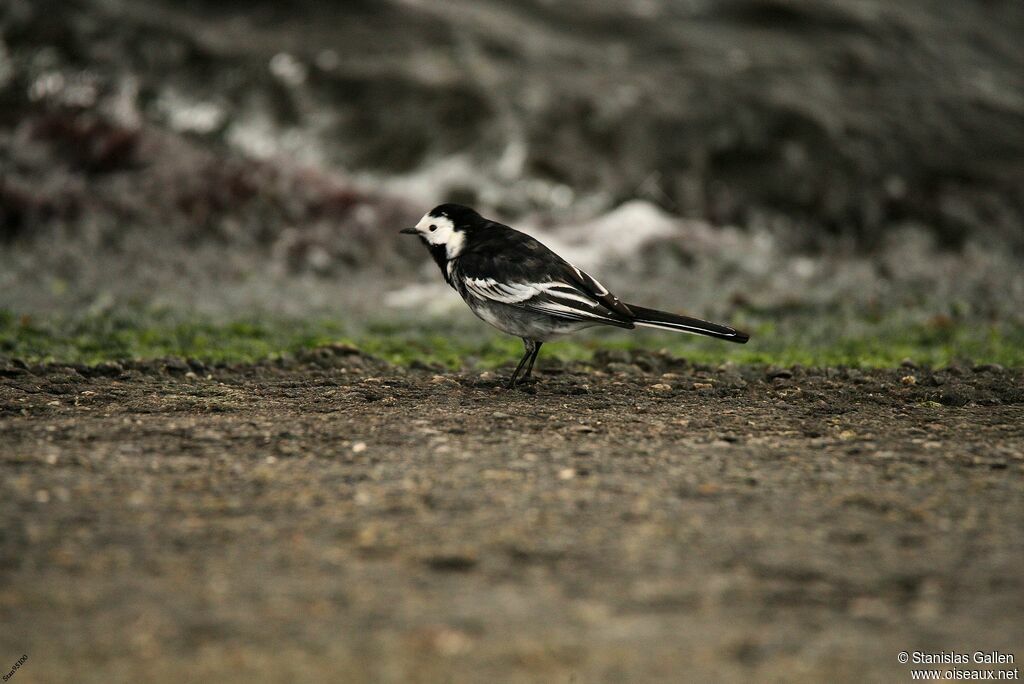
521,323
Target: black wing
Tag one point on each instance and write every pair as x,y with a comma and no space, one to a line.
506,266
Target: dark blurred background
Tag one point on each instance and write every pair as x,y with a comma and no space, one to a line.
262,154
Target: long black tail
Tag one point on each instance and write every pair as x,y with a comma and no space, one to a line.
652,318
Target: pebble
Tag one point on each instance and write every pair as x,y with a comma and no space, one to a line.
988,367
358,447
661,387
452,562
109,369
955,397
175,365
625,368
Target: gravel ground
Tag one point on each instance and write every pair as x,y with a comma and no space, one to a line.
640,519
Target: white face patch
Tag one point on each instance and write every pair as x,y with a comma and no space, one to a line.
439,230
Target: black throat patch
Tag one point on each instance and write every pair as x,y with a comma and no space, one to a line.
440,254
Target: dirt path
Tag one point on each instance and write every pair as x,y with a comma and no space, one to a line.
650,521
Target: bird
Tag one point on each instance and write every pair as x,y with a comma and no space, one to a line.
513,282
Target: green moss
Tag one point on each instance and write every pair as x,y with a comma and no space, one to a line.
810,339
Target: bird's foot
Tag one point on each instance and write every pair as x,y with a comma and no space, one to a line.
521,383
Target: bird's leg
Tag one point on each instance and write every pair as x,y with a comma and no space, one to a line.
533,359
529,344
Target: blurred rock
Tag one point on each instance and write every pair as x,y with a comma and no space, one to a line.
836,113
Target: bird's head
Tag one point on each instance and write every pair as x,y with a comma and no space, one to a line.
445,227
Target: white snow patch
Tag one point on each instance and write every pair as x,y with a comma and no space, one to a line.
288,69
187,115
620,234
433,299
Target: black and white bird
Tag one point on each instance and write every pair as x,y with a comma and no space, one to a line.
522,288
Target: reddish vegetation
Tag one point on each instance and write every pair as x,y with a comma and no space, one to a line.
88,141
86,167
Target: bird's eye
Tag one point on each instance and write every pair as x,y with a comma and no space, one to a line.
433,228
